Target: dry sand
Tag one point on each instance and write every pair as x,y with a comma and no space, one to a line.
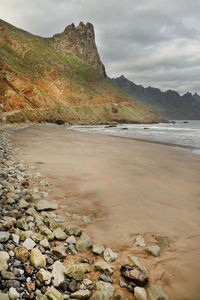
127,187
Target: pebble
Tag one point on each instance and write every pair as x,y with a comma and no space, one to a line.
109,255
13,294
140,293
140,241
153,250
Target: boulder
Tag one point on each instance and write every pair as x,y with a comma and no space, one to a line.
37,258
153,250
46,205
84,244
104,267
109,255
156,292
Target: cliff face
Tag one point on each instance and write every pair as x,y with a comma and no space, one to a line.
167,104
62,77
80,41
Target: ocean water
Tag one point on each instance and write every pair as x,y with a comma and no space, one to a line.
182,133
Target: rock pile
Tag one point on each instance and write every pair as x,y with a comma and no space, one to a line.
34,245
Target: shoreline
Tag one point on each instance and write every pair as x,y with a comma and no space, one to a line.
157,182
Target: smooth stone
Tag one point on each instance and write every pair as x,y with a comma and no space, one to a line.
109,255
29,244
106,288
140,241
13,294
98,249
84,244
4,236
44,276
59,234
60,251
58,273
37,259
156,292
46,205
104,267
140,293
153,250
53,294
81,294
136,262
73,230
4,255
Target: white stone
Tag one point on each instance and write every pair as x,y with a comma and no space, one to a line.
29,244
13,294
140,293
4,255
109,255
98,249
46,205
58,273
140,241
44,194
71,240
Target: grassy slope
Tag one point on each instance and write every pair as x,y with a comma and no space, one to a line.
45,84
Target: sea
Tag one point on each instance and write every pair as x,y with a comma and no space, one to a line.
181,133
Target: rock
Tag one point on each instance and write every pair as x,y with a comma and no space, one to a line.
122,283
3,264
25,234
47,233
4,296
4,255
136,262
60,251
98,295
13,283
15,238
81,294
58,273
84,244
21,253
106,288
109,255
71,240
71,249
76,217
37,259
44,194
76,271
23,204
87,282
22,224
156,292
98,249
119,297
104,267
37,237
140,241
105,278
30,286
7,275
134,274
59,234
29,244
45,244
4,236
153,250
162,241
86,219
72,286
53,294
73,230
140,293
46,205
44,276
13,294
55,225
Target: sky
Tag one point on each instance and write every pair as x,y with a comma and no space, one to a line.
151,42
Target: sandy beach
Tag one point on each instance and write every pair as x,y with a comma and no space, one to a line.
128,188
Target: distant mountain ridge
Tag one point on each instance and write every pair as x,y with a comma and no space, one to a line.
167,104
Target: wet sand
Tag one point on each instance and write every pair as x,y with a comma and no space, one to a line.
127,187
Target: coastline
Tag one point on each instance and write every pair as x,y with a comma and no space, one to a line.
159,183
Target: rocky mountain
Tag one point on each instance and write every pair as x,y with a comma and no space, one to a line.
46,79
167,104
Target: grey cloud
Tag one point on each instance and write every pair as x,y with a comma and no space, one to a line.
151,42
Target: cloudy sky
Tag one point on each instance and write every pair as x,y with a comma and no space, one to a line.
151,42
